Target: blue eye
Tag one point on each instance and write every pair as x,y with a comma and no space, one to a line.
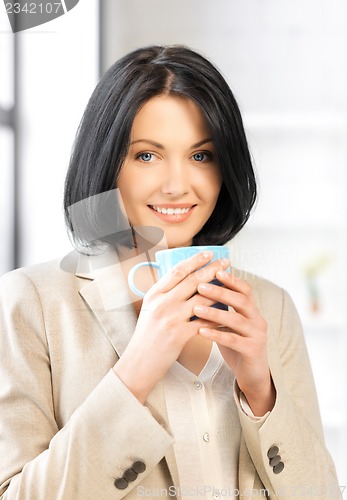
145,157
201,156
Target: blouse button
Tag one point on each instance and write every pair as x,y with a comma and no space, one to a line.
206,437
198,384
216,495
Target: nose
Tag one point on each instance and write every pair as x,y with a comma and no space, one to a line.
176,180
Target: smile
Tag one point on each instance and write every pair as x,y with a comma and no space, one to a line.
172,213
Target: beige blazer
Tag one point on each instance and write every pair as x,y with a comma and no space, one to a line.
69,428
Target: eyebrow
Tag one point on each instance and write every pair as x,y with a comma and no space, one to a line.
160,146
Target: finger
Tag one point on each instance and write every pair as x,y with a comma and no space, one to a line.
234,283
238,301
189,285
225,338
208,273
181,271
233,320
193,327
186,275
194,301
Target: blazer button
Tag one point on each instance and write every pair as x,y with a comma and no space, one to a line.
121,483
138,466
275,460
278,468
272,452
130,475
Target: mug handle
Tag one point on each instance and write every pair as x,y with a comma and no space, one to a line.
131,276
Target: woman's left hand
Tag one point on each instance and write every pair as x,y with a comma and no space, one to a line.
241,338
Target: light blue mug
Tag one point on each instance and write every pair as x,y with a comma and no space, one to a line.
167,259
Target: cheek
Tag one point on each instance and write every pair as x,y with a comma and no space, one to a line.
126,193
216,184
210,185
132,179
126,183
135,189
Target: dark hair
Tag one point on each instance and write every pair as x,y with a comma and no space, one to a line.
103,136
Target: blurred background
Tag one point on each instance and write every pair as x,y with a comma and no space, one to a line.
287,65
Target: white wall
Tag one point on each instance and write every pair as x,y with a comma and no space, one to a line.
6,145
59,69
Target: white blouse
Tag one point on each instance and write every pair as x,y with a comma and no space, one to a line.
204,425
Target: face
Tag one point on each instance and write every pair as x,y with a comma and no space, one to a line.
170,177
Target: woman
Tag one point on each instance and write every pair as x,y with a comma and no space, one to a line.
104,396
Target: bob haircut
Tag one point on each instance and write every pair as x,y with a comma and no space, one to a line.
103,137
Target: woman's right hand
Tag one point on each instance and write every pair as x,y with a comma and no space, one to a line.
164,327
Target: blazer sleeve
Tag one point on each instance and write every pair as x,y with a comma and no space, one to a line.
291,436
105,436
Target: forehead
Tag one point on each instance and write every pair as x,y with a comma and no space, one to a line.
169,115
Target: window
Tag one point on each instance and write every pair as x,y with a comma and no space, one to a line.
7,146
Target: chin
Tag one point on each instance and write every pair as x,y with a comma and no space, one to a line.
177,239
174,243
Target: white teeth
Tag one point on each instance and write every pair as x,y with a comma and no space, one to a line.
171,211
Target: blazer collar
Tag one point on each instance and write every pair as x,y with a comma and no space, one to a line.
106,293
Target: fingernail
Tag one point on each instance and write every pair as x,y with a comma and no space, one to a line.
200,309
203,325
204,287
208,254
224,261
204,331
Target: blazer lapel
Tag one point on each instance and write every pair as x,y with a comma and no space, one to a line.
110,302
